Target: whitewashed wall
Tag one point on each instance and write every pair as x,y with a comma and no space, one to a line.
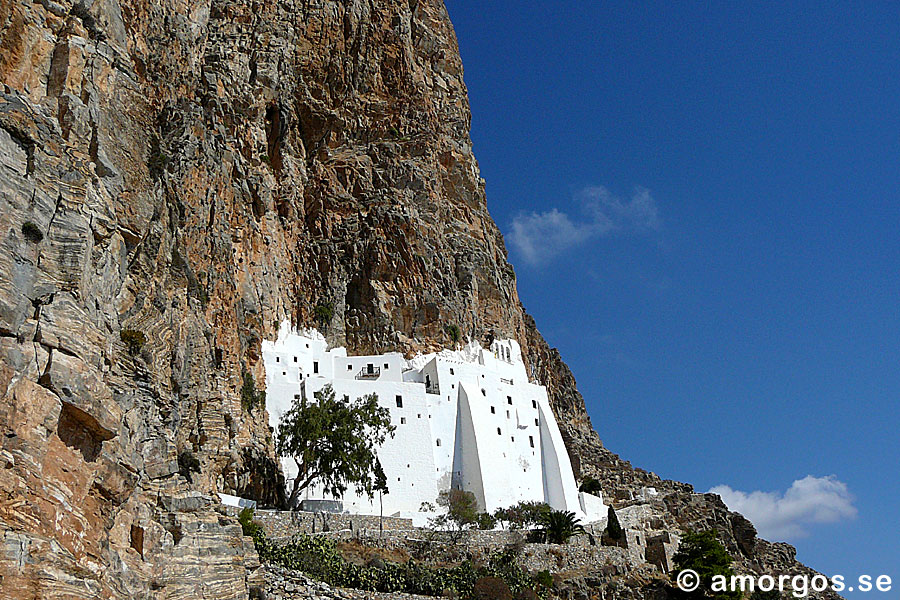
469,419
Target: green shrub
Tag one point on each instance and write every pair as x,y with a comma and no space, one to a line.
250,397
590,486
134,340
544,578
703,553
32,232
250,527
324,312
454,332
523,515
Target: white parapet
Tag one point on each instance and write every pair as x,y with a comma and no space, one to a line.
467,419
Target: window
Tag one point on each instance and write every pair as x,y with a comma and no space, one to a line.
403,420
419,415
531,441
534,404
295,359
438,442
399,401
507,414
509,400
346,398
278,359
349,367
284,373
296,396
499,432
512,438
307,345
315,366
451,370
493,411
536,422
386,366
483,393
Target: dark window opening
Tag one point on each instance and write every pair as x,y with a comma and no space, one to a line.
531,441
315,366
399,401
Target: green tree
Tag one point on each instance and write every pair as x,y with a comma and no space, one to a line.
462,510
523,515
702,552
560,526
334,443
613,529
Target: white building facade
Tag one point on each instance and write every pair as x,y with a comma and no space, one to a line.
466,419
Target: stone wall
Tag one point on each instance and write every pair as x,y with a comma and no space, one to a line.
281,524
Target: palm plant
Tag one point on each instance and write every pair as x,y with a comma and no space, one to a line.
560,526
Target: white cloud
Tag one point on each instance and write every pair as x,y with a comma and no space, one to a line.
538,237
808,501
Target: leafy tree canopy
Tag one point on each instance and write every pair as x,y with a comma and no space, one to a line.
334,443
703,553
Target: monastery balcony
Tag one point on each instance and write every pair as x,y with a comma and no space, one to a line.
369,372
432,388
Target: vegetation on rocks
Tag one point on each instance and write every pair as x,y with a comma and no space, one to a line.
320,558
324,312
250,396
134,340
704,553
32,232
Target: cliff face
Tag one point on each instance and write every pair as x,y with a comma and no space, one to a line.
178,177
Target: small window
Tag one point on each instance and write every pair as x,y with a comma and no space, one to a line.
438,442
419,415
452,386
399,401
451,370
296,396
284,373
531,441
483,393
295,359
277,359
493,411
507,414
315,366
386,366
534,404
536,422
512,438
346,398
509,400
499,432
349,367
403,420
307,345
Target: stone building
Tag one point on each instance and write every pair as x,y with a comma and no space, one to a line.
467,419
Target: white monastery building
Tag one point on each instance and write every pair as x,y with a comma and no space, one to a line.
466,419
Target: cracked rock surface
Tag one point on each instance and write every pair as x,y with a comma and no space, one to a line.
176,178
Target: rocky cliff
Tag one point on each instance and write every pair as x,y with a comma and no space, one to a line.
178,177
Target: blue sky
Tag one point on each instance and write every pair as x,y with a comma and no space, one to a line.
702,203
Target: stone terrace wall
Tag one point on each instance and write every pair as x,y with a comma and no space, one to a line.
281,524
